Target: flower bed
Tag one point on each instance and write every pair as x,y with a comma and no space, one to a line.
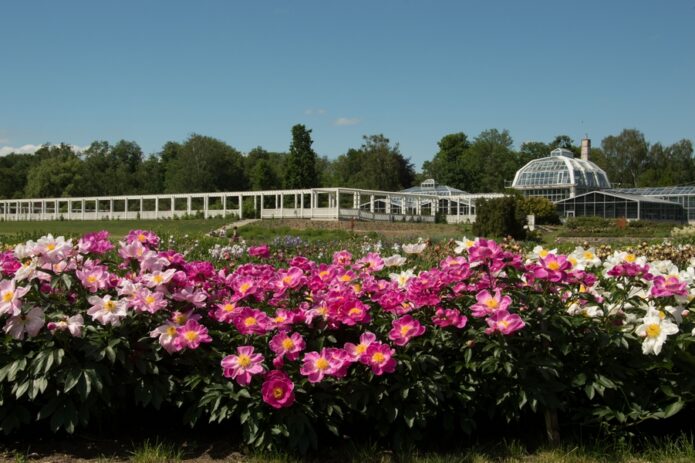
291,348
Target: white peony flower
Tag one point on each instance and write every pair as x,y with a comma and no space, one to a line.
655,328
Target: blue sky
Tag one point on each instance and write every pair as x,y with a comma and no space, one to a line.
245,72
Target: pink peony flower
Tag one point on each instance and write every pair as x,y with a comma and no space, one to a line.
146,238
449,317
243,366
191,335
252,321
357,351
287,345
316,365
504,322
342,258
488,304
278,389
95,243
262,251
9,264
404,329
380,359
668,286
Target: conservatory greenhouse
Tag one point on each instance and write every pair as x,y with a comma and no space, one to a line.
578,187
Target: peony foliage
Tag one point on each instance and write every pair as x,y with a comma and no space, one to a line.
291,348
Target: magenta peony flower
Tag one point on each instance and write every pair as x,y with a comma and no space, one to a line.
404,329
278,389
262,251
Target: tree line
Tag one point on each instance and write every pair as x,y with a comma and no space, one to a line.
205,164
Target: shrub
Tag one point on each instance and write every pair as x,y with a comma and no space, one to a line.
542,208
499,217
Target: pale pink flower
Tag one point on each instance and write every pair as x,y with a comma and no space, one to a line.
107,311
31,324
72,324
148,301
10,297
166,335
158,278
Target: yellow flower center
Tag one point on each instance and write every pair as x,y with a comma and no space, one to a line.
228,307
405,329
50,246
141,238
190,335
572,260
360,348
249,321
324,273
491,303
503,323
158,279
91,279
630,258
653,330
554,265
287,344
357,288
322,363
662,314
109,306
355,311
378,357
287,279
277,393
588,255
171,331
470,243
244,287
244,360
7,297
543,252
150,299
180,319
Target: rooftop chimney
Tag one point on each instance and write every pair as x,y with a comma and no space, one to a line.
586,148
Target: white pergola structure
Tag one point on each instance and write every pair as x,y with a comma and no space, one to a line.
310,203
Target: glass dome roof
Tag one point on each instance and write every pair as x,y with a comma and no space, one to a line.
431,187
561,168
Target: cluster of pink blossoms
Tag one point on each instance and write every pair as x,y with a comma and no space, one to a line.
271,307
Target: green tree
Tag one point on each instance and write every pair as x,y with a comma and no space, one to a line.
448,165
375,166
57,176
627,156
112,169
205,164
491,161
300,170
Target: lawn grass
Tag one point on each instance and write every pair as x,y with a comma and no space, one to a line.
117,228
675,449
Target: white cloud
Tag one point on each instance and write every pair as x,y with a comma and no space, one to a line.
345,121
31,149
314,112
